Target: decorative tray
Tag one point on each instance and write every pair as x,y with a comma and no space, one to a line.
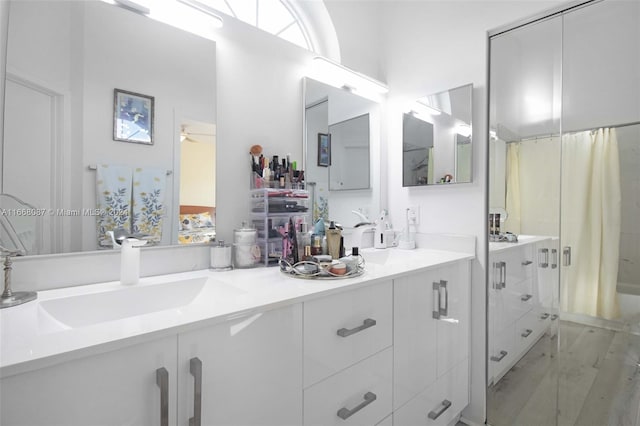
320,271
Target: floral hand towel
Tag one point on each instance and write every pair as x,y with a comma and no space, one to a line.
113,201
148,203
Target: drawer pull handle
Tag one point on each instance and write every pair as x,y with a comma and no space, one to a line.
527,332
162,380
499,358
544,316
554,317
527,262
445,406
344,413
554,257
544,261
344,332
195,368
526,297
438,310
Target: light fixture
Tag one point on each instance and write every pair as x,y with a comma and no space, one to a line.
426,108
422,111
201,7
141,6
339,76
463,130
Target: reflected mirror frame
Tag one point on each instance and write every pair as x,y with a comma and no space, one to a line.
460,115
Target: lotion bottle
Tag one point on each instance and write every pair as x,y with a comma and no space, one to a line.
333,240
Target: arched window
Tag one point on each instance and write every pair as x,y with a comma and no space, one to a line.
304,23
277,17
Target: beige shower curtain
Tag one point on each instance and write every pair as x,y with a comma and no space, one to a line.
591,205
513,222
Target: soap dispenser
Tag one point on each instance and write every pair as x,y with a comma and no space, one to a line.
130,260
380,237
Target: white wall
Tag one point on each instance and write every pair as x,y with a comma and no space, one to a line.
4,29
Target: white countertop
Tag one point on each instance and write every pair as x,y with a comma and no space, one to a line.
522,240
31,338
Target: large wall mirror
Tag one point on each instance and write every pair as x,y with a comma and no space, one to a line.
342,140
436,139
65,60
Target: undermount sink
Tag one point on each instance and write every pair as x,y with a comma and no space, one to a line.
375,256
123,302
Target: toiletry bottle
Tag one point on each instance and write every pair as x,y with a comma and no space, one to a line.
333,240
304,239
352,261
316,245
379,240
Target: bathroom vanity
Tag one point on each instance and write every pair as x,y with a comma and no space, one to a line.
246,347
523,299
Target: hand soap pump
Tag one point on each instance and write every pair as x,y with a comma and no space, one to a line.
130,260
380,237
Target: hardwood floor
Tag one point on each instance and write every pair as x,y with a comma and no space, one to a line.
594,380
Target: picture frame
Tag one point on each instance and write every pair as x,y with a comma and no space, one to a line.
324,149
133,117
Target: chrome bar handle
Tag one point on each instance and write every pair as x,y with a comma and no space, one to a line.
443,286
566,256
195,368
503,274
527,332
527,262
162,380
554,258
344,413
436,300
526,297
500,357
445,406
343,332
544,316
494,276
544,263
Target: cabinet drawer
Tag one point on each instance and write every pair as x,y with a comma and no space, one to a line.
440,403
501,353
361,394
345,328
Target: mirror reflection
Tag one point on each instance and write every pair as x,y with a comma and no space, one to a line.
436,139
352,124
65,61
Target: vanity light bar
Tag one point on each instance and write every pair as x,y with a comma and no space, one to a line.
141,6
340,76
201,7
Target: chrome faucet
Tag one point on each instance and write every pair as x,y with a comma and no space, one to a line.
8,297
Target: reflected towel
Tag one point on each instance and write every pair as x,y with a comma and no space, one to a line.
148,202
113,201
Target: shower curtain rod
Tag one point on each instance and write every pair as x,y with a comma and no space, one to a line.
550,135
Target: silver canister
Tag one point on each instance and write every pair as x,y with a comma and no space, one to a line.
220,257
245,247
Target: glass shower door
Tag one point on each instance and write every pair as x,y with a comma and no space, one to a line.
599,381
524,170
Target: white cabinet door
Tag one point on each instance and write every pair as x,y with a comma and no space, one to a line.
251,370
110,389
455,312
414,336
431,327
